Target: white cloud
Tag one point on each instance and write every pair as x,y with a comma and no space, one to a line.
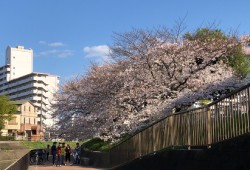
46,53
57,53
65,53
56,44
42,42
52,44
100,53
96,51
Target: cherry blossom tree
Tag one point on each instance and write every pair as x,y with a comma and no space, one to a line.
152,73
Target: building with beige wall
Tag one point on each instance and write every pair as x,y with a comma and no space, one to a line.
24,124
19,82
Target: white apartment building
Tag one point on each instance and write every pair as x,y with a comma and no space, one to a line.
19,82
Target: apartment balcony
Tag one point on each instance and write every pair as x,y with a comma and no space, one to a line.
21,95
39,116
32,89
3,76
20,88
2,86
36,78
38,105
37,100
19,81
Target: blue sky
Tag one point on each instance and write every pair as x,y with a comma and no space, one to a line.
67,35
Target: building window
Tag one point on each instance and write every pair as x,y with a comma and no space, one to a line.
33,132
14,67
23,108
29,120
34,121
14,57
29,108
24,120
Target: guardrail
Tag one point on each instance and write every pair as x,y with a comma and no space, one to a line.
223,119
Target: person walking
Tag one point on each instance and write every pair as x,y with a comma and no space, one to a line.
63,154
67,153
53,152
59,153
77,153
47,152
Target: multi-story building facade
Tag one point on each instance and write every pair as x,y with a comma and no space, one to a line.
24,124
19,82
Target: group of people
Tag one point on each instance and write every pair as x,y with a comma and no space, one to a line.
61,154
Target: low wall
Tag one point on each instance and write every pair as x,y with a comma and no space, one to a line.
20,164
95,158
11,152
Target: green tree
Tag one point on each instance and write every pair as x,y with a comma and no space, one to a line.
240,63
205,34
7,109
237,60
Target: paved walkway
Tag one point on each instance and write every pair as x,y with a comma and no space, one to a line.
48,166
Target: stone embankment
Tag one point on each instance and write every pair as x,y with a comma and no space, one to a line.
11,151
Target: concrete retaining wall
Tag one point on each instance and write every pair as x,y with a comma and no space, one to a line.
11,151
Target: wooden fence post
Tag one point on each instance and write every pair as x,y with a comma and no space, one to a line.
189,130
171,130
209,125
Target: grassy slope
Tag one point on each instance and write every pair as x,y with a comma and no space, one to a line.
43,145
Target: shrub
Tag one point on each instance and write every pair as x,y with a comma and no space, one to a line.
97,144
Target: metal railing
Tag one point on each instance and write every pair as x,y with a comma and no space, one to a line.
7,138
223,119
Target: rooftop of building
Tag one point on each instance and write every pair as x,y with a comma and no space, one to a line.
19,47
31,75
20,102
5,66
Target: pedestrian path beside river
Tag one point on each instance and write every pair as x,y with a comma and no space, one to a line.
48,166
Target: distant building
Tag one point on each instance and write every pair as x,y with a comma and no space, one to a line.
246,44
24,124
19,82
